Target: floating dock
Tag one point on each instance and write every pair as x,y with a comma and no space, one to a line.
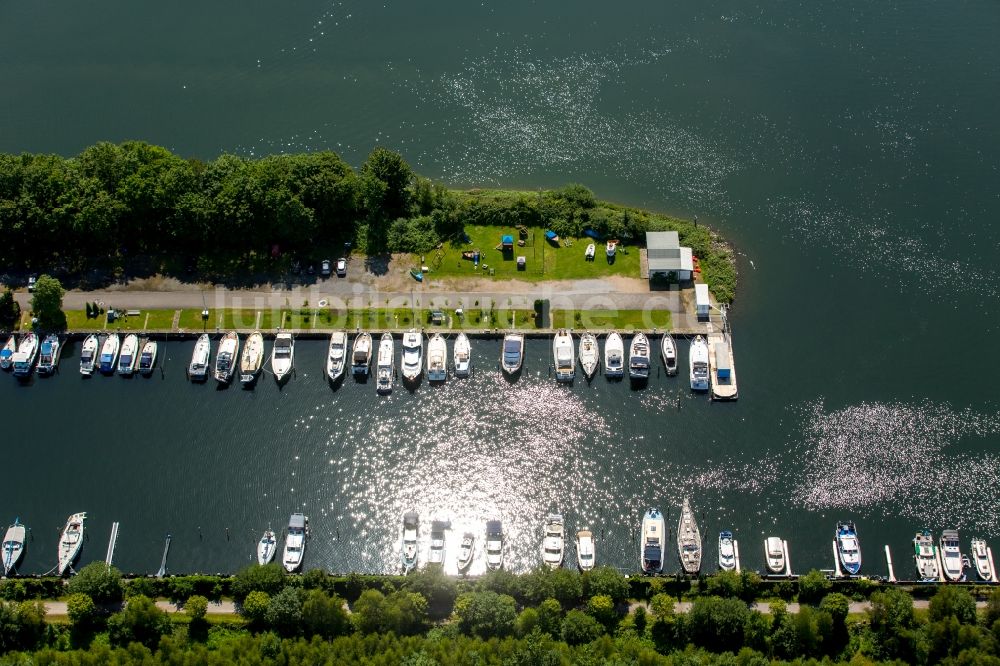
112,542
722,367
888,561
736,554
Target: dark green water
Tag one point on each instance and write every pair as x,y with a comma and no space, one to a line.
850,151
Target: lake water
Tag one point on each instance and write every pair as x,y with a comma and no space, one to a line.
850,151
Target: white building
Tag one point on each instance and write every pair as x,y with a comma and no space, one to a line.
666,257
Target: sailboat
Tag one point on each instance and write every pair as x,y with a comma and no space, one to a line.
383,367
614,356
13,547
563,356
109,354
668,351
266,547
463,355
437,359
226,357
70,542
361,357
200,357
283,356
336,356
590,354
48,357
7,353
411,361
147,358
688,540
252,359
129,356
88,355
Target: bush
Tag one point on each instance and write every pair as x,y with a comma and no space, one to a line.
579,628
607,581
103,584
952,602
140,622
812,587
323,615
486,614
81,609
527,622
22,625
400,612
196,607
602,608
717,624
269,578
284,612
254,606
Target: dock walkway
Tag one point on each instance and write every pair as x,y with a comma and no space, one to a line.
725,388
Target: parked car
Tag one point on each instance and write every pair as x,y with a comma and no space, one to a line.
324,268
341,267
31,283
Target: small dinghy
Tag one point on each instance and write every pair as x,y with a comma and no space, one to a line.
727,551
13,547
252,359
283,356
463,356
336,356
88,355
129,357
361,356
411,533
981,560
48,355
226,357
7,353
383,368
147,358
614,356
585,552
437,359
668,351
638,358
590,356
512,353
109,354
554,542
466,551
267,547
200,357
70,542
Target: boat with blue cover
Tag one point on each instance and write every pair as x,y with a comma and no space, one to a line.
848,548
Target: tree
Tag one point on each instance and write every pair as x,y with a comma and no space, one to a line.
602,608
486,614
639,620
81,609
527,622
717,624
813,586
103,584
254,606
22,625
323,615
140,622
284,612
567,587
606,581
10,311
46,303
400,612
952,602
550,617
438,589
579,628
393,175
269,578
196,608
662,606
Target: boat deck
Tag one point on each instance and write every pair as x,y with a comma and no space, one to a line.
724,389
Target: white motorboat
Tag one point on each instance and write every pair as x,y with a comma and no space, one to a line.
774,555
283,356
7,353
70,542
109,354
554,543
295,542
688,540
698,360
437,359
848,548
252,358
494,545
411,534
589,253
463,355
727,551
435,555
48,355
590,354
563,356
512,353
981,560
361,355
25,356
638,357
267,547
951,556
610,247
668,351
925,557
88,355
654,531
585,551
12,547
466,551
614,355
227,357
129,356
411,362
336,356
383,367
147,358
200,357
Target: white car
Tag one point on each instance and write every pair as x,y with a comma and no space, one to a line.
31,283
341,267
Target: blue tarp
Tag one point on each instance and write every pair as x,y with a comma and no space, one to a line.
592,234
549,234
507,240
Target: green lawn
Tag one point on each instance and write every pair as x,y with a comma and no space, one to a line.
544,261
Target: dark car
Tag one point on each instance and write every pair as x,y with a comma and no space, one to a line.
324,268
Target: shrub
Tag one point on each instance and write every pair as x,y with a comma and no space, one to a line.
269,578
196,607
579,628
812,587
607,581
81,609
486,614
140,622
103,584
254,606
